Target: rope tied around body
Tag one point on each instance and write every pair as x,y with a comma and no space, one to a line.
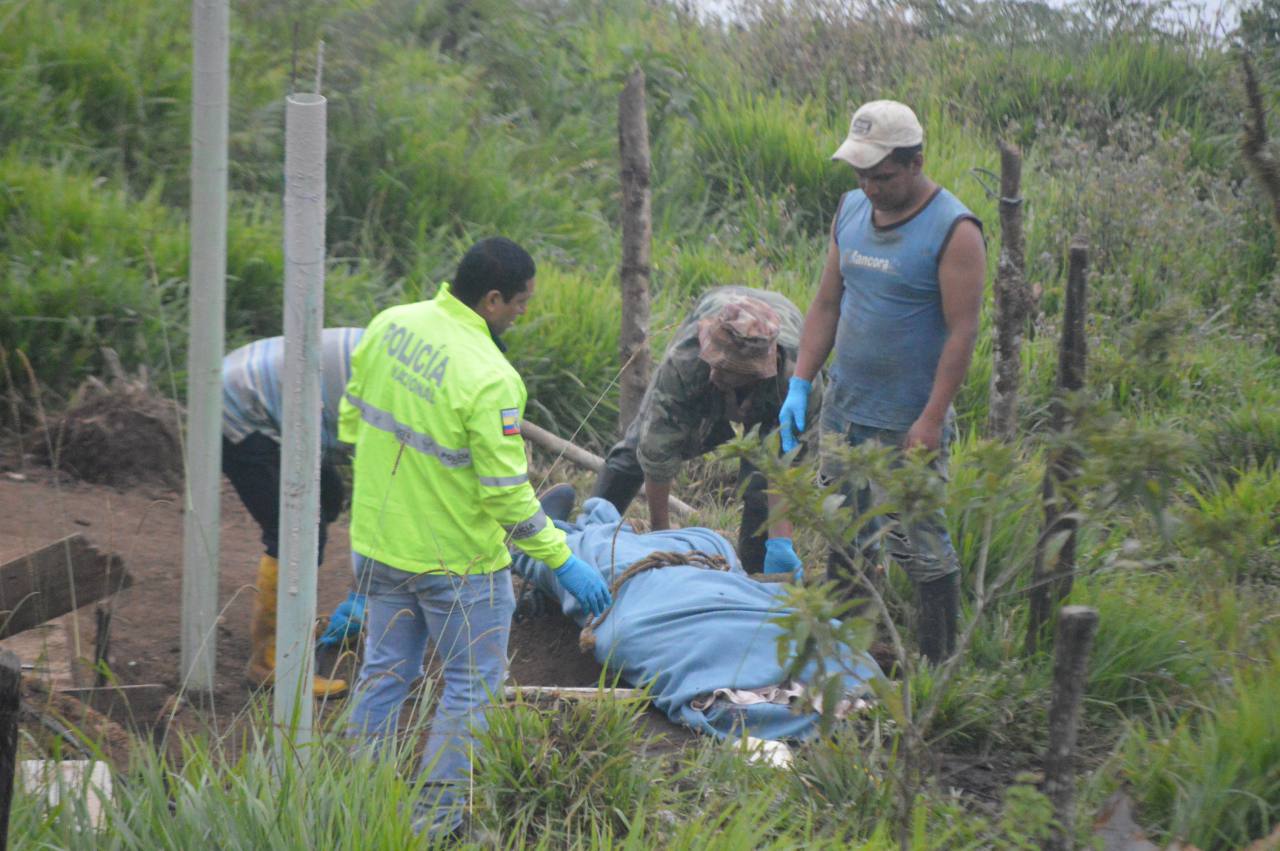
653,561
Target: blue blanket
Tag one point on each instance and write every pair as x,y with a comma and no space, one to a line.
686,631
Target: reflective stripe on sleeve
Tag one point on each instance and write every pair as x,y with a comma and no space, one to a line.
424,443
503,481
528,528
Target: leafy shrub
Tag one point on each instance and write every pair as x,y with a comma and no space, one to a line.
1238,527
1156,226
1247,438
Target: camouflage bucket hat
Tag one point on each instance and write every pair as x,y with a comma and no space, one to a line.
741,338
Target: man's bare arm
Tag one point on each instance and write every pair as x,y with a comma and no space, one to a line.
657,494
782,528
820,322
961,273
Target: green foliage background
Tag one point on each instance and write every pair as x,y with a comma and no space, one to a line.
451,121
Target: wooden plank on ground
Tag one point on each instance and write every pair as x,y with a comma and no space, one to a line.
570,693
54,580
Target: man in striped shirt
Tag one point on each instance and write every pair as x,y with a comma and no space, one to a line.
252,412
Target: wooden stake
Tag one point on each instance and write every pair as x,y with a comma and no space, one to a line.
1261,161
1012,300
101,645
1056,550
1076,628
637,234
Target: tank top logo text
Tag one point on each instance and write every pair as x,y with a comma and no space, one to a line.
854,257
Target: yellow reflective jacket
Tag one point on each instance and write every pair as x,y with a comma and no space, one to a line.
441,479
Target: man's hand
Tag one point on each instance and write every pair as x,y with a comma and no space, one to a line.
791,415
780,557
585,584
926,431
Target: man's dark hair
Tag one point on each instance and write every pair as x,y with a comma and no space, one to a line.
904,156
495,263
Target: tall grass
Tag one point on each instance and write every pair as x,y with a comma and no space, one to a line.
217,798
1213,778
1030,89
1151,653
86,266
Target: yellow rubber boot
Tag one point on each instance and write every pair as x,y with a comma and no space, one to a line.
262,636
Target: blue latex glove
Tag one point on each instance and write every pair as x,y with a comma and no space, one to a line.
791,415
345,622
780,557
585,584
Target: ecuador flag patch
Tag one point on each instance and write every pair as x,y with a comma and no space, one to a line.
510,421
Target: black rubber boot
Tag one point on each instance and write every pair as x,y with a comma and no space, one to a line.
939,612
842,571
557,501
618,487
755,514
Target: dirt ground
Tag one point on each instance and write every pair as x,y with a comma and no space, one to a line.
142,523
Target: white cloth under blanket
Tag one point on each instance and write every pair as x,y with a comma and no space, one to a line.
783,694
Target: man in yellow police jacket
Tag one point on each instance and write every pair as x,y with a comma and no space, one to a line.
441,488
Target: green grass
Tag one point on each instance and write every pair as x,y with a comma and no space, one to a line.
571,771
1151,653
86,265
1213,778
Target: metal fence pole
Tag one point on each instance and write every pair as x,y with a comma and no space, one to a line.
304,252
202,515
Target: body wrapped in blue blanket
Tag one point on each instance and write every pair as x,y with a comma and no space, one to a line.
704,641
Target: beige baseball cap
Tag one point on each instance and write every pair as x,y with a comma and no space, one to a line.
876,129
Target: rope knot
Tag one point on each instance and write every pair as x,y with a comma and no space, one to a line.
653,561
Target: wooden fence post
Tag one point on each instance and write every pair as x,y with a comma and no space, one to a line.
1012,300
1076,628
1056,550
10,694
637,234
1254,144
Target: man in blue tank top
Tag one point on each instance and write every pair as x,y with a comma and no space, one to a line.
899,302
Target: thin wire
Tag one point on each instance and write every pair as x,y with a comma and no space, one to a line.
599,399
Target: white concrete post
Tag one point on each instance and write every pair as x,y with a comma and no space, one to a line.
201,514
304,200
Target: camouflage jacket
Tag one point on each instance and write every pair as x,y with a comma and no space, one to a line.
683,416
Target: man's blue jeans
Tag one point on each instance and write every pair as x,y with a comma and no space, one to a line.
922,548
468,621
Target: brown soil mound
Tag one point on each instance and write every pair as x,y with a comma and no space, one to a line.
118,435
